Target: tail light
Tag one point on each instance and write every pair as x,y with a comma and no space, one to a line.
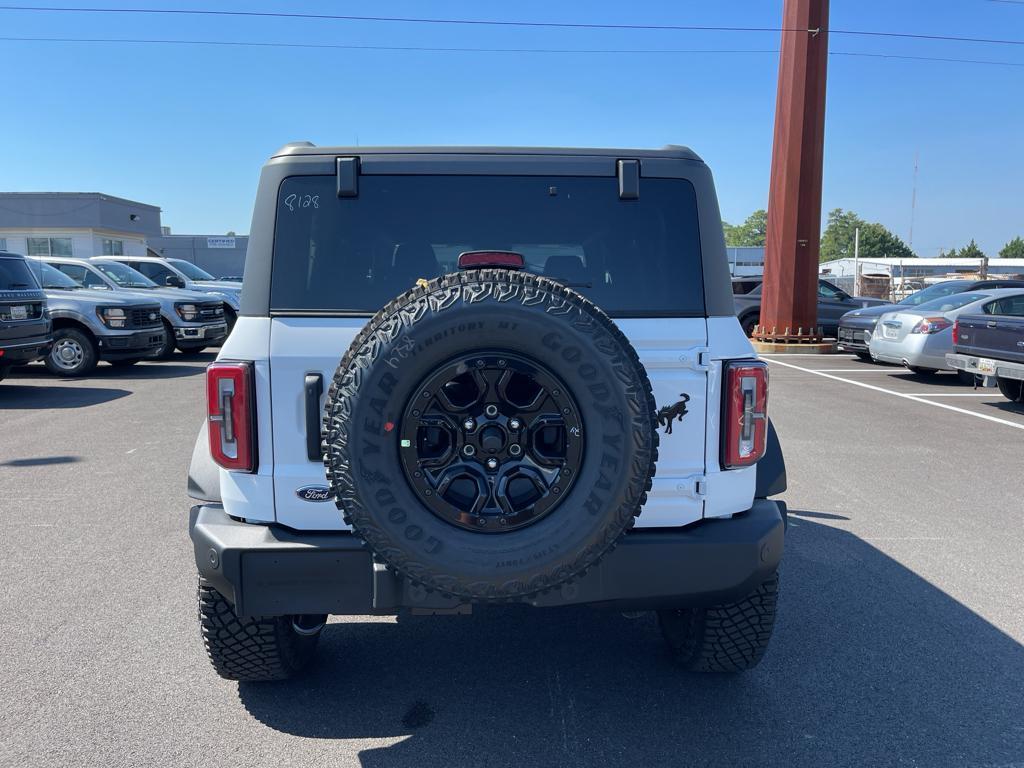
232,415
956,332
746,414
931,325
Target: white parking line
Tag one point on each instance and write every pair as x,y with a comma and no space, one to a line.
915,398
951,394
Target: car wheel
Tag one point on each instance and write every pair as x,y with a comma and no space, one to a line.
1011,389
73,353
732,637
166,349
470,465
255,648
749,323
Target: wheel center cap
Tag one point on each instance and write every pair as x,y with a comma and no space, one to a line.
492,439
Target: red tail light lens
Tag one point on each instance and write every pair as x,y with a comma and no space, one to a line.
956,332
931,325
745,429
231,414
479,259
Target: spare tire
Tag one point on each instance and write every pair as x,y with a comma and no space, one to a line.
490,434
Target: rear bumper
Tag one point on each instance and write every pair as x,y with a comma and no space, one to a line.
972,364
25,351
916,350
138,344
270,570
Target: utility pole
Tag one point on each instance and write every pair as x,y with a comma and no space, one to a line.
856,261
913,204
789,309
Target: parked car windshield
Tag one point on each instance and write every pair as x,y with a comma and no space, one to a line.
54,279
949,303
16,276
633,258
123,275
190,270
934,292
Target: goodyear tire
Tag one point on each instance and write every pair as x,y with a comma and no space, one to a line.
454,323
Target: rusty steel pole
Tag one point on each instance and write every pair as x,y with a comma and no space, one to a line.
789,304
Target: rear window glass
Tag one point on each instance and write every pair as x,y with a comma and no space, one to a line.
16,276
633,258
948,303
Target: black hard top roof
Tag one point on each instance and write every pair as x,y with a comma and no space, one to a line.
307,148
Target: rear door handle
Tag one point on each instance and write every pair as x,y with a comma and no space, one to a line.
991,324
314,387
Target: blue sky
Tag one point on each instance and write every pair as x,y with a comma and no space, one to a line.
187,127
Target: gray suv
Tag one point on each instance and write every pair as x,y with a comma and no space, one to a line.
89,326
24,321
191,320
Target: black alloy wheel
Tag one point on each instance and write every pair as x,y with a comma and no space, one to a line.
490,442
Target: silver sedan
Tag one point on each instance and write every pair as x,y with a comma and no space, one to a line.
919,338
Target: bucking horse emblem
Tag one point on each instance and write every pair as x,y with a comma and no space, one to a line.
675,412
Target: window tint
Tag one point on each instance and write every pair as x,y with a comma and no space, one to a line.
190,270
155,271
633,258
123,275
948,303
15,275
54,278
828,291
75,271
935,291
1008,305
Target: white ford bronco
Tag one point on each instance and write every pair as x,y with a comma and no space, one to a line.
485,375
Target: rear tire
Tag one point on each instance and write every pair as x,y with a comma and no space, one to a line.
748,324
1012,389
725,638
73,353
254,648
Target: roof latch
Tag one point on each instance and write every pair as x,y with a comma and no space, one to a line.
628,172
348,176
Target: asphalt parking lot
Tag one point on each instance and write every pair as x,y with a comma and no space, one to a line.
899,639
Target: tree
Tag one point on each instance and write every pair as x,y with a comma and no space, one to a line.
750,232
969,251
876,241
229,233
1013,249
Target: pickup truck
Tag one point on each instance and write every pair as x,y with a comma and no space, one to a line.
833,303
25,330
991,344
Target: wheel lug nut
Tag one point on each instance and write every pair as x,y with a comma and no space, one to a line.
481,521
514,449
491,411
502,363
556,489
492,463
502,521
469,450
513,424
468,424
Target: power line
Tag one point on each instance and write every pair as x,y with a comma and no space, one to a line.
500,23
480,49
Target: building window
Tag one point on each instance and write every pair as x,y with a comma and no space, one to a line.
49,246
3,243
113,247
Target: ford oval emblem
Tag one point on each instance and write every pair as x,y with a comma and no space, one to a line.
314,493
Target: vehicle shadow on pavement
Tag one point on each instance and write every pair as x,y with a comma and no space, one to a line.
870,665
34,396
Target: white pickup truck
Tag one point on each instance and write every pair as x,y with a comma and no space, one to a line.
485,375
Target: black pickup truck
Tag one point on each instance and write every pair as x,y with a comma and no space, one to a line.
25,330
991,345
